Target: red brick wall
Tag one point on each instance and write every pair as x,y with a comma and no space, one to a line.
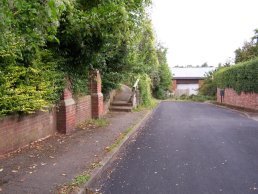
18,131
83,109
244,100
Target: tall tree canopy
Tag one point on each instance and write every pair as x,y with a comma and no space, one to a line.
42,42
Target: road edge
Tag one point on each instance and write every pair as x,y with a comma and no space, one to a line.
244,113
110,157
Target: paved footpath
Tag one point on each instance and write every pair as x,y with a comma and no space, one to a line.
189,148
42,167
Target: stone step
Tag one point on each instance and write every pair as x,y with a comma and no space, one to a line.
121,108
121,103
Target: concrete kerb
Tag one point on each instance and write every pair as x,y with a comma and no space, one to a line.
107,161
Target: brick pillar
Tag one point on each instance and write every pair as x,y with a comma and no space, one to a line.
66,113
97,105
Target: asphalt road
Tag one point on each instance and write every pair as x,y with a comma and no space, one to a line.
190,148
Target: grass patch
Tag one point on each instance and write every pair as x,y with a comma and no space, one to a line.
81,179
119,139
99,122
76,182
94,123
152,105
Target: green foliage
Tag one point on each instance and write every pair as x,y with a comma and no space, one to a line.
43,42
194,98
208,87
248,51
26,89
163,87
103,31
103,122
29,75
242,77
145,90
81,179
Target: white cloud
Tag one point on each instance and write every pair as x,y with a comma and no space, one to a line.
203,31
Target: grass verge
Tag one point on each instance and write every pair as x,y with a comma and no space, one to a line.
119,139
152,105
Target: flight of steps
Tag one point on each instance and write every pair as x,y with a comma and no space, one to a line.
121,100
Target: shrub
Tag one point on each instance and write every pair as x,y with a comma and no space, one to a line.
26,89
208,87
242,77
145,90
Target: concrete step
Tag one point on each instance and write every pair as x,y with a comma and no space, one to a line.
123,94
121,108
121,103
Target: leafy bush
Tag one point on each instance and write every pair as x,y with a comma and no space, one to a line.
208,87
145,90
26,89
242,77
164,84
29,75
43,42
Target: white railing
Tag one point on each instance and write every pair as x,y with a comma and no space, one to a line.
134,99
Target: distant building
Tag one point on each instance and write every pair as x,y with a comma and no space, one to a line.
188,80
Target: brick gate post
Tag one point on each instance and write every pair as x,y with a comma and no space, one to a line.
66,113
97,105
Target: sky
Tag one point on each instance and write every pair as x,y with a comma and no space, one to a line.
199,31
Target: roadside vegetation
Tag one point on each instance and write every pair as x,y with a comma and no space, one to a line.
44,44
195,98
242,77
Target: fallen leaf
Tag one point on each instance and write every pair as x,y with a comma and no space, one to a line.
63,174
14,171
51,157
1,169
43,164
0,189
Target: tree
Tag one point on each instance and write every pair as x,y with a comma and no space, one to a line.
165,75
208,87
248,51
204,64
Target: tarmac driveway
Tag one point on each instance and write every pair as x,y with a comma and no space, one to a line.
189,148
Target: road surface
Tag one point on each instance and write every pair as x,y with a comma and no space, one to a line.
189,148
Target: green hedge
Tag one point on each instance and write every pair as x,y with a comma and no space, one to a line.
242,77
